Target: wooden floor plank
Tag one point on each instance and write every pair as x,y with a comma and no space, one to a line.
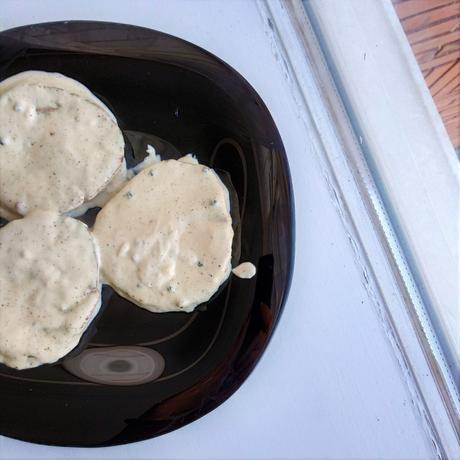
412,7
448,88
434,74
445,49
444,84
450,112
436,42
422,21
433,30
436,30
443,103
437,61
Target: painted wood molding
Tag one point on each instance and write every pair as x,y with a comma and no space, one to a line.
358,200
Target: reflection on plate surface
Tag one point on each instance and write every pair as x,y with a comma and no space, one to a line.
117,365
135,374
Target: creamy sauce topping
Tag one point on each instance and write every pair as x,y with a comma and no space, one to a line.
49,288
8,214
166,237
99,201
121,178
117,183
57,149
189,158
53,80
165,230
149,160
246,270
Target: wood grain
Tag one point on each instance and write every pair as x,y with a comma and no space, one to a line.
433,30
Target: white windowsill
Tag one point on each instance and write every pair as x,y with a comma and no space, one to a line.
400,126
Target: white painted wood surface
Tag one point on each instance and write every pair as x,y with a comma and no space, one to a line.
329,385
406,140
377,252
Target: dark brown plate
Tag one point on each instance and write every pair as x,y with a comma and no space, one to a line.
181,99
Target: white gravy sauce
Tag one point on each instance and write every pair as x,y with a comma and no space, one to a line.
165,231
166,237
246,270
121,178
149,160
115,185
53,80
48,140
49,288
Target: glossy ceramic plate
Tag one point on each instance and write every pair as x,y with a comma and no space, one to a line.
137,374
